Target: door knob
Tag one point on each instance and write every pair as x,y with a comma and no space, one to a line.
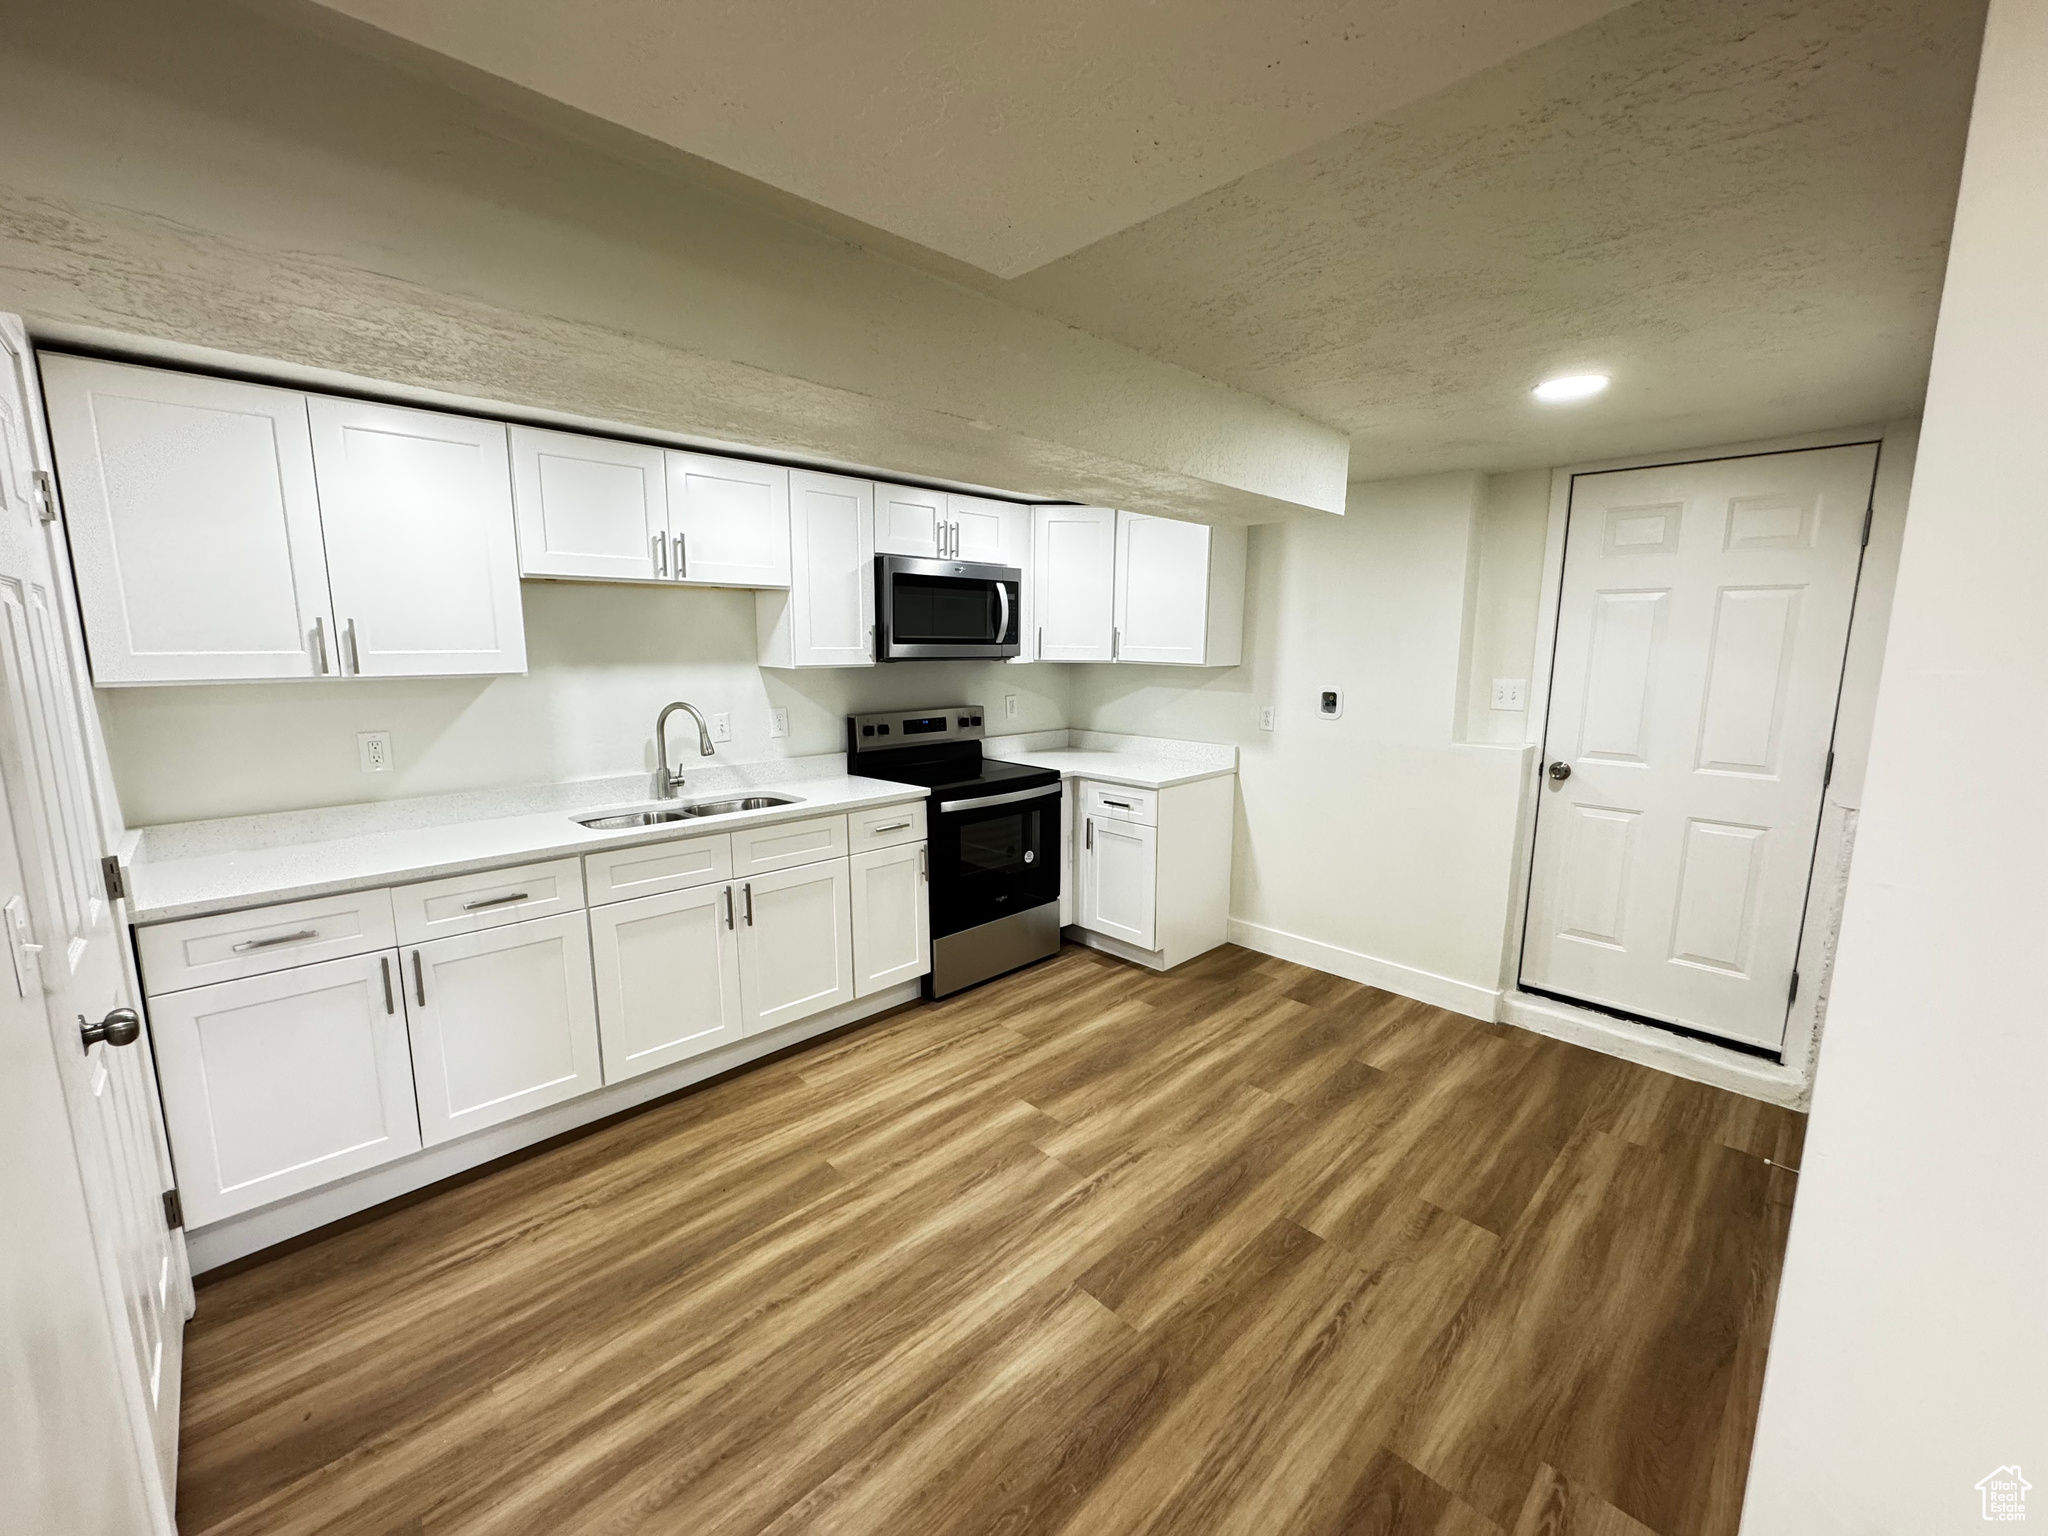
123,1026
1560,771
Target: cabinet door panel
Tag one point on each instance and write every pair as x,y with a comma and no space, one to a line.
417,509
985,531
832,560
1162,590
731,517
502,1023
907,520
668,978
277,1084
796,943
194,524
1073,568
891,917
1120,879
590,507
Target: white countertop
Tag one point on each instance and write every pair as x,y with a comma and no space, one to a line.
202,867
1139,762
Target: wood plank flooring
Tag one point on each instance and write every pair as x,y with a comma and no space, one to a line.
1245,1250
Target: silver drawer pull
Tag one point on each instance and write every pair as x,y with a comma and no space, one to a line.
495,901
1122,805
891,826
282,938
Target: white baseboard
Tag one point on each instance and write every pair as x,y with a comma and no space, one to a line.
1475,1002
251,1232
1699,1060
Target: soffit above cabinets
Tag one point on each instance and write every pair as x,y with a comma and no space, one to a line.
1002,136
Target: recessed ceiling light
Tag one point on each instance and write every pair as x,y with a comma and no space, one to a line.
1572,386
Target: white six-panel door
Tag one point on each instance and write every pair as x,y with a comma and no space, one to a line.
668,978
589,507
421,559
891,917
1701,629
796,943
1073,580
194,524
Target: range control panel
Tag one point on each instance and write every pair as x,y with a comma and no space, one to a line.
911,727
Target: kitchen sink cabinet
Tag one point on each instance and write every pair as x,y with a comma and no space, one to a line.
796,943
668,978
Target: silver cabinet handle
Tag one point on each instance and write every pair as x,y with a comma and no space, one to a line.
924,862
682,559
282,938
419,979
1116,637
888,826
1122,805
355,650
320,644
1091,832
384,965
1039,654
495,901
747,890
728,906
660,554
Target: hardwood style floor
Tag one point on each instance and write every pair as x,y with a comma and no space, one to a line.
1245,1250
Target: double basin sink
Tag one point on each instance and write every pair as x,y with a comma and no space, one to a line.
658,815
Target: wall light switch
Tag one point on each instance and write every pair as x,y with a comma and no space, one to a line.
373,751
1009,706
721,726
1330,703
778,724
1266,717
1510,693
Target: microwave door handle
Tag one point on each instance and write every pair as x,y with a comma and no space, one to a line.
1003,606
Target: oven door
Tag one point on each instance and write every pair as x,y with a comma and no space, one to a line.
992,855
940,609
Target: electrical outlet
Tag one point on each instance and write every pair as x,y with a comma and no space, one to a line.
721,726
1009,706
1510,693
1266,717
373,751
778,723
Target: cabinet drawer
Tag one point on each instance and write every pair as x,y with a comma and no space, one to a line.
200,950
652,868
1120,804
885,826
489,898
788,844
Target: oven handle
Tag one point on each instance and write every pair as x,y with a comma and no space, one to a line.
1050,792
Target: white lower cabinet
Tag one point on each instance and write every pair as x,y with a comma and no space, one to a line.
276,1084
796,943
891,917
668,978
502,1023
1120,879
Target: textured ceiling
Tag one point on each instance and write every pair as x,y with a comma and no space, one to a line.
1003,135
1739,209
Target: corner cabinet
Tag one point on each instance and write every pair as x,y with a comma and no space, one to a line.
826,617
224,531
1179,592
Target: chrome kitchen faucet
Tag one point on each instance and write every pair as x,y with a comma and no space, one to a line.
668,782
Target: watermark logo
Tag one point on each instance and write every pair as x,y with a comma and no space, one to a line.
2005,1494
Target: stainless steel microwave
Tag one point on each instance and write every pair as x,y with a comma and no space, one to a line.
933,610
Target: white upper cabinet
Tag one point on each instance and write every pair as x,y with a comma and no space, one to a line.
909,521
1073,584
194,524
417,511
1179,592
826,618
988,532
589,508
728,521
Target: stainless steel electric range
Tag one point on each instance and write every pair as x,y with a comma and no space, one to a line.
994,840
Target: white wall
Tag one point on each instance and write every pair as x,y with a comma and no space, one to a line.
1377,845
1909,1356
1514,513
602,661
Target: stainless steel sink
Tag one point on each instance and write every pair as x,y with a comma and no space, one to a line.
743,803
654,816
